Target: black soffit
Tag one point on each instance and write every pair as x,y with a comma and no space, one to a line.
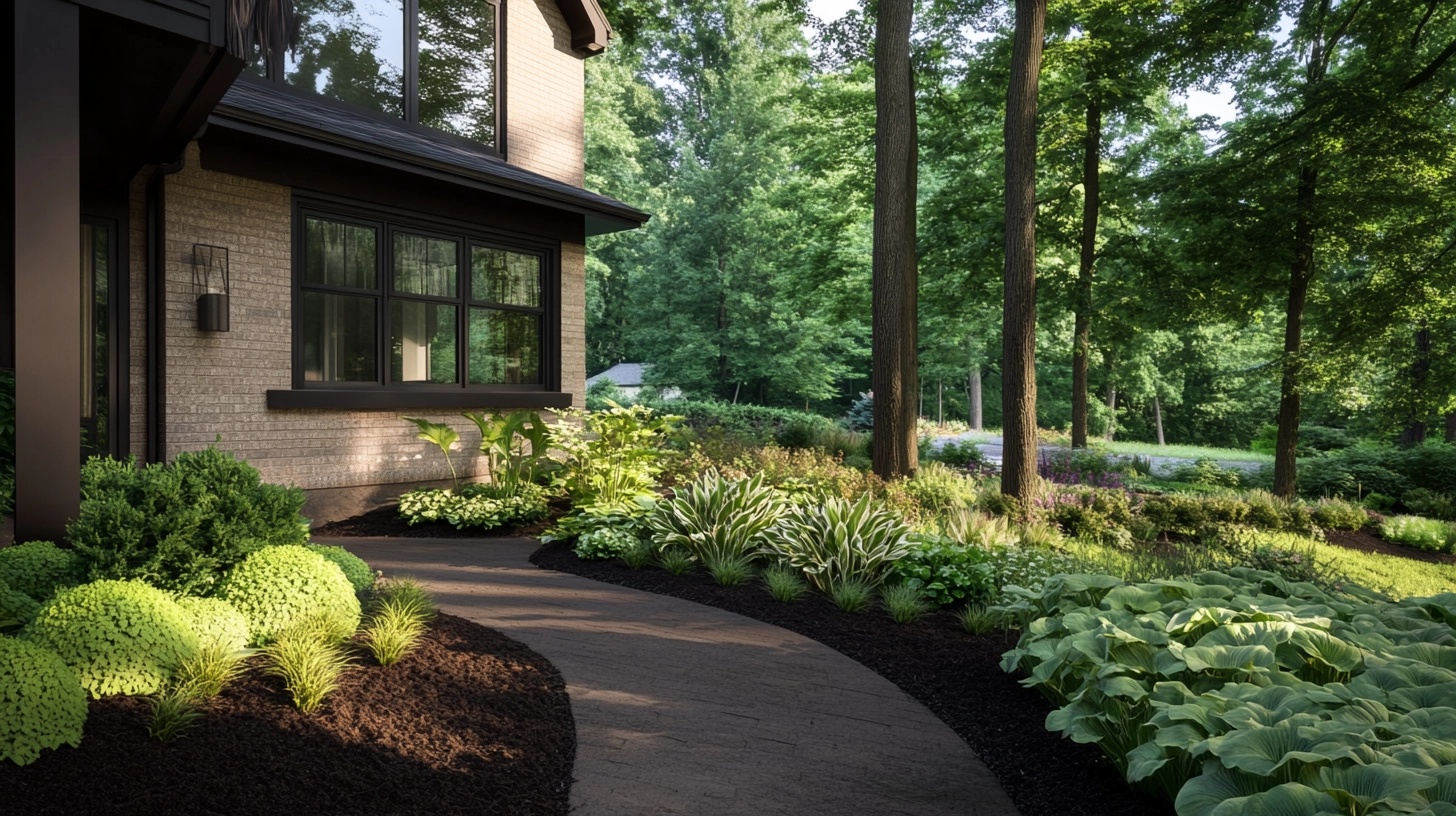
258,109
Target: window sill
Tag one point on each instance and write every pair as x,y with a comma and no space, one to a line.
363,400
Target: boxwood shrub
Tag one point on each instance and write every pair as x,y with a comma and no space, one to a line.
37,568
278,587
42,704
216,622
179,525
360,575
121,637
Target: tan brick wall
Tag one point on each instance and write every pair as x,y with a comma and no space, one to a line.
217,382
544,87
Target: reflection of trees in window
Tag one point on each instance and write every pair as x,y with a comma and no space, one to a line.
457,67
352,51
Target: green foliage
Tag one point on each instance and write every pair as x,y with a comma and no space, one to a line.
442,436
309,661
786,585
121,637
905,603
42,704
978,620
7,441
729,570
946,572
676,561
639,555
976,529
514,444
204,675
613,457
1028,566
16,608
173,713
1422,533
279,587
1312,439
410,594
958,454
481,506
718,520
861,416
1422,502
605,542
1206,472
394,629
937,489
1233,689
1336,514
360,576
601,394
1089,512
852,594
37,568
755,424
837,542
216,622
181,525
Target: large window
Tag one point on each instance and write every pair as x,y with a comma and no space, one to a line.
434,62
388,302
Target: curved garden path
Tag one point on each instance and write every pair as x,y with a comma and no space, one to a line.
683,708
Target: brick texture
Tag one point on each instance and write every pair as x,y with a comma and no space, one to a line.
544,99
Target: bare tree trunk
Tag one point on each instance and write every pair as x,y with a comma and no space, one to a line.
1301,271
1018,372
736,388
977,414
1111,413
940,403
1091,203
1158,419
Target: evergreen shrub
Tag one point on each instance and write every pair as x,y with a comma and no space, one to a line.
179,525
16,608
279,587
360,576
37,568
121,637
42,704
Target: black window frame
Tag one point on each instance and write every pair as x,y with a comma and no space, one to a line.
274,67
382,392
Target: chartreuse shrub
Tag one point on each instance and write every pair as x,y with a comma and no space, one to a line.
37,568
42,704
278,587
179,525
215,622
360,576
837,542
720,521
1422,533
1239,692
483,506
121,637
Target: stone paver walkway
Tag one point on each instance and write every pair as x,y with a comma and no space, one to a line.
684,708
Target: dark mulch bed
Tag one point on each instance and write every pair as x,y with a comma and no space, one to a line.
953,674
384,522
1369,542
471,722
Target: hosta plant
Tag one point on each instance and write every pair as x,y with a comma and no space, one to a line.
42,704
603,543
839,541
1422,533
1241,692
613,457
514,444
718,520
482,506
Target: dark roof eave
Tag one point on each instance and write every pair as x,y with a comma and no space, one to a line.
601,217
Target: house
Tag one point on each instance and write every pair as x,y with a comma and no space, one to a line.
629,379
289,249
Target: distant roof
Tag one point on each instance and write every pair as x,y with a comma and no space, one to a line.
625,374
252,105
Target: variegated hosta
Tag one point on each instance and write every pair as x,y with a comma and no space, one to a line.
717,519
1264,696
838,541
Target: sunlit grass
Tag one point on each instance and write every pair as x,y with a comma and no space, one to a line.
1186,452
1391,574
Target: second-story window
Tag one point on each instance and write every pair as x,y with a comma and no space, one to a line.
433,62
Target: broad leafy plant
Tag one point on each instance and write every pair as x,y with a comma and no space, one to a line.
482,506
718,520
514,445
947,573
613,457
839,541
442,435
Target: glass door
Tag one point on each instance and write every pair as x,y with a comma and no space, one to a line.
97,261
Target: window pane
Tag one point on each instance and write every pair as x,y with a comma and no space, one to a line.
422,342
505,347
457,67
498,276
339,254
339,341
425,266
352,51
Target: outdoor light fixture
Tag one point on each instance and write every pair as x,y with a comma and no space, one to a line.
211,285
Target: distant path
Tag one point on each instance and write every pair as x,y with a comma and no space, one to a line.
1162,465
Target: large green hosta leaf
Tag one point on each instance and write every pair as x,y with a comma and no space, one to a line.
1280,749
1216,785
1244,660
1359,788
1289,799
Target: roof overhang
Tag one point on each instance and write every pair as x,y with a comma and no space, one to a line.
590,30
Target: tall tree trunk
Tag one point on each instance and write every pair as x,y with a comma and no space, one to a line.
1091,204
893,362
1018,372
973,395
1415,431
1301,271
940,403
1158,419
1111,413
1451,428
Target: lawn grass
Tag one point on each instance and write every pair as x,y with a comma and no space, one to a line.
1186,452
1393,575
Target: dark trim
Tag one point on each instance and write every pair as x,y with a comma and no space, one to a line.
362,399
208,75
590,30
204,21
156,208
115,217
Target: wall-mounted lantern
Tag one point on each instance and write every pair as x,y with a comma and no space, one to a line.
211,285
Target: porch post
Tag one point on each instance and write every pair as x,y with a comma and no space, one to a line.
47,268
